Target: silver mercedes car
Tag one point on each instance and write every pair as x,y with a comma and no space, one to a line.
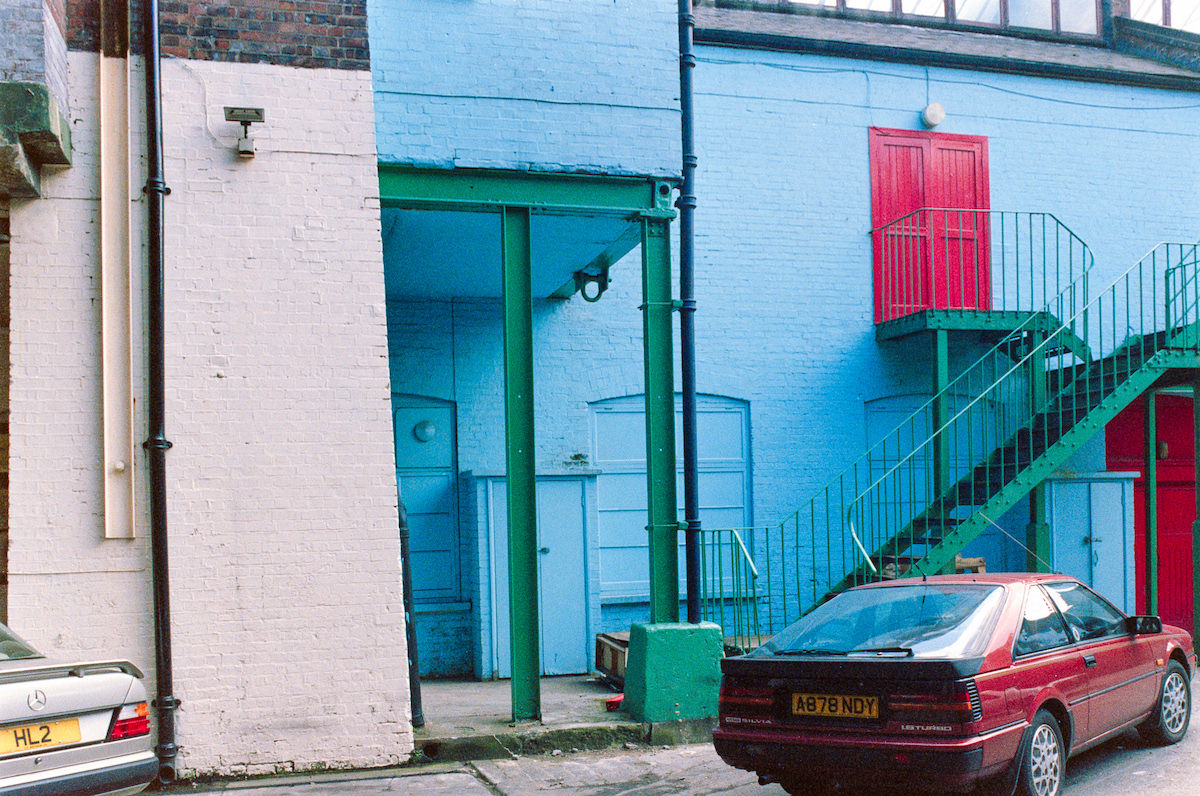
80,729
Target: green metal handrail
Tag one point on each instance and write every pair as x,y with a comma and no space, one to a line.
893,512
916,521
790,586
969,259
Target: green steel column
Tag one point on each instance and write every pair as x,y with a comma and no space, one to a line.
657,309
1037,534
519,457
1150,504
941,410
941,413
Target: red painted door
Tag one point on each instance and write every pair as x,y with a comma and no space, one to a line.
1176,499
936,258
959,248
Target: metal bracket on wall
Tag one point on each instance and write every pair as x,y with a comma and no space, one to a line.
592,275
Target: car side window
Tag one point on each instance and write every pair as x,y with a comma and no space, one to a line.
1042,627
1088,615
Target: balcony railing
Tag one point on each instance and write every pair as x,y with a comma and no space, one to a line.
987,260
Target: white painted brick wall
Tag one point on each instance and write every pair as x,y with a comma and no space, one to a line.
286,597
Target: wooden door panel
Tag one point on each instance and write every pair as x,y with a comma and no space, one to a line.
960,253
898,168
1176,499
933,259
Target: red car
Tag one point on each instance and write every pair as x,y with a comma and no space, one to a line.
950,682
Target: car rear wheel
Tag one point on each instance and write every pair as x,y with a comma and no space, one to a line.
1170,721
1045,760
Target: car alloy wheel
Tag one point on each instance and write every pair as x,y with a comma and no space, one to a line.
1170,722
1042,773
1174,703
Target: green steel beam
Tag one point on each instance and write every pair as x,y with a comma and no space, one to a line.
941,409
1037,534
519,457
1150,499
964,321
405,186
1173,366
657,326
1139,381
997,324
941,412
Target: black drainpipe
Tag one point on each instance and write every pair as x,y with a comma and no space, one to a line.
410,626
156,444
687,296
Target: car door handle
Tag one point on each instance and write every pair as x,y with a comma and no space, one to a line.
1089,661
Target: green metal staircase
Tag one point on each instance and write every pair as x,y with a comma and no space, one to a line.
913,501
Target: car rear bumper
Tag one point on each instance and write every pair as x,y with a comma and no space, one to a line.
951,763
122,775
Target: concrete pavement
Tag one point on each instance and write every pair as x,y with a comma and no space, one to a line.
1125,767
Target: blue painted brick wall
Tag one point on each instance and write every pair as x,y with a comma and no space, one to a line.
784,277
535,84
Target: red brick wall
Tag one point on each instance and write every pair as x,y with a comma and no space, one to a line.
309,33
58,10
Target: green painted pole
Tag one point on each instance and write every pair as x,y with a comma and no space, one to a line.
941,413
941,410
1037,535
1150,504
519,457
657,309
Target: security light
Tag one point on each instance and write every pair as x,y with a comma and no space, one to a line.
245,117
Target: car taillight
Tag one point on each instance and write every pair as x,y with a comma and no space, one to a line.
743,704
957,704
132,721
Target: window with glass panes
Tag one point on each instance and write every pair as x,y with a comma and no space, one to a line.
1178,14
1080,17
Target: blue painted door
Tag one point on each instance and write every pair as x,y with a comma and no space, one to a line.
566,636
428,487
619,427
1091,521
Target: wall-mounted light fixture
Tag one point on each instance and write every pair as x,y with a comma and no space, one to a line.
1162,449
245,117
933,115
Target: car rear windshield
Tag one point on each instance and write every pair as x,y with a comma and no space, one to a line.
924,620
14,648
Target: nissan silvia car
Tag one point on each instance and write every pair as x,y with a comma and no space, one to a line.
950,682
79,729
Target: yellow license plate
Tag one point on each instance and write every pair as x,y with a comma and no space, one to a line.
838,705
38,736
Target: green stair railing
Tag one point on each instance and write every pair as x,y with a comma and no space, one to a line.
965,259
951,486
912,501
785,579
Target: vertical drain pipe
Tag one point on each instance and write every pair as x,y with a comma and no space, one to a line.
687,296
156,444
410,615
